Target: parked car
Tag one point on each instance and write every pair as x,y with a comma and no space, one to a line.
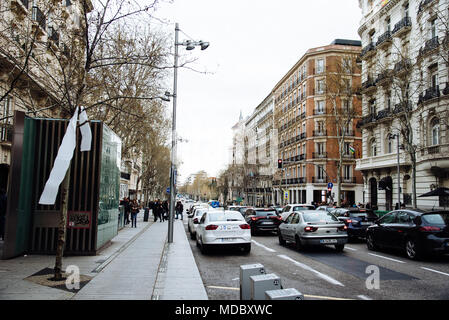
417,232
192,208
223,228
278,209
240,209
326,208
357,220
313,228
262,219
288,209
195,217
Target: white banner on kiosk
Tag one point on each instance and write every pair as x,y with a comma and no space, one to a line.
65,155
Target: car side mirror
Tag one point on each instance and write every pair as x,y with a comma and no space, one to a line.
195,221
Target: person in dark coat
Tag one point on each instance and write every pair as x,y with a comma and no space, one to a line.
135,208
166,210
179,209
3,202
158,211
127,205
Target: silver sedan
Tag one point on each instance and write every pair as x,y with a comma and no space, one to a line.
313,227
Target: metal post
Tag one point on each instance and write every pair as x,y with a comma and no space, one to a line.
399,178
173,144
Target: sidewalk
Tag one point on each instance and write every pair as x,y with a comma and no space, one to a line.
139,265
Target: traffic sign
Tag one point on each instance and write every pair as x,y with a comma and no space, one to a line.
168,190
330,185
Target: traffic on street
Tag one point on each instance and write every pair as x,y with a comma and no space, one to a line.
326,272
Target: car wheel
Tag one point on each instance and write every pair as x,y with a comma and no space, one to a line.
370,243
203,248
298,244
412,249
282,241
192,236
339,247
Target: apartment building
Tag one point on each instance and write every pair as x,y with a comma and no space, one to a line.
261,153
34,42
405,94
307,107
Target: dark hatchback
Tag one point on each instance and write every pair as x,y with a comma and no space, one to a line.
417,232
262,219
356,220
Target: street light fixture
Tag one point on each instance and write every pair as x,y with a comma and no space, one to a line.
190,45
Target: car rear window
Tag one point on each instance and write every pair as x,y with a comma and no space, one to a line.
301,208
358,215
262,213
319,216
225,216
436,218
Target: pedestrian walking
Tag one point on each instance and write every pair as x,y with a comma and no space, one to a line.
135,207
158,210
166,210
179,210
3,202
127,207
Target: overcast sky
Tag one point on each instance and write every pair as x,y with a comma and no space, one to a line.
253,43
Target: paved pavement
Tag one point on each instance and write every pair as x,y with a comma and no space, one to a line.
138,265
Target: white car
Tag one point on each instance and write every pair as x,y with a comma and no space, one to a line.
194,218
290,208
223,228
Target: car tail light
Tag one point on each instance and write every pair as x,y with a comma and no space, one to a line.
211,227
429,229
349,221
310,229
256,218
245,226
343,228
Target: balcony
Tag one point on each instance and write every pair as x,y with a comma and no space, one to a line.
317,112
303,136
319,155
446,90
6,131
384,40
367,120
382,161
429,94
402,27
369,86
348,156
429,47
384,77
319,133
319,179
383,114
402,107
402,66
351,180
368,51
303,115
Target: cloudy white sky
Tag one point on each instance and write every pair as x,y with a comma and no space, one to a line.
253,43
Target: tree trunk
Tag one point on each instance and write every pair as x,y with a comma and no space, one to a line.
62,228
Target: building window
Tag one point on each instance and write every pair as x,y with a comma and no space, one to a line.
320,106
435,134
433,28
372,107
373,148
319,66
320,86
320,172
347,172
6,111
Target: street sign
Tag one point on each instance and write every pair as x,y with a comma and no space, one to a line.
168,190
330,185
286,195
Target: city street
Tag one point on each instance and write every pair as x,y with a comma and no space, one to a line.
324,274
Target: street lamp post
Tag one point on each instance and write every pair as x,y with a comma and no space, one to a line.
190,45
396,136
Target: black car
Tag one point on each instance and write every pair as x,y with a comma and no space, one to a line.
417,232
357,220
262,219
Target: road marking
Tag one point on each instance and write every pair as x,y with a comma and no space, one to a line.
305,296
436,271
376,255
262,246
306,267
349,248
364,297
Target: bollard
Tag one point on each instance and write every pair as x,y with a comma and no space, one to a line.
261,283
284,294
245,272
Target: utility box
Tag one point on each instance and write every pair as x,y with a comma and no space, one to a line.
284,294
247,271
261,283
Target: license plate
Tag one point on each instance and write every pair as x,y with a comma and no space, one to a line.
226,228
328,241
366,223
267,222
228,239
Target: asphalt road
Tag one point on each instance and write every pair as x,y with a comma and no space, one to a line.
324,274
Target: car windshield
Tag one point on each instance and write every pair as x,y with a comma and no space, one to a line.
358,215
436,218
299,208
319,216
225,216
262,213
